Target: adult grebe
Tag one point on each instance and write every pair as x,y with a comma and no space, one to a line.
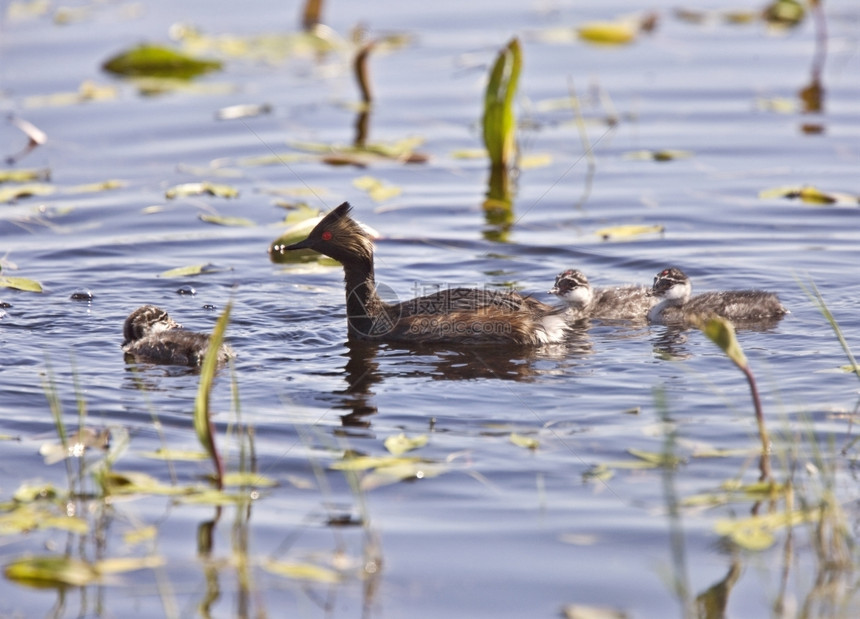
672,289
456,315
613,303
152,336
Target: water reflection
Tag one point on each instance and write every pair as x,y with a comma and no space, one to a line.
450,363
670,341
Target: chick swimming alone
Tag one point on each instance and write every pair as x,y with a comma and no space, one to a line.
455,315
672,289
613,303
152,336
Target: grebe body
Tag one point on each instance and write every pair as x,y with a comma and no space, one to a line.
152,336
673,291
455,315
611,303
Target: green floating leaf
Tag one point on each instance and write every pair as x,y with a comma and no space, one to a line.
363,463
608,32
51,571
656,459
302,571
391,474
499,123
722,333
175,454
627,231
809,195
137,536
376,189
249,479
31,516
400,444
97,187
20,283
194,269
157,61
757,532
10,194
205,187
215,497
599,472
133,482
25,175
223,220
520,440
27,493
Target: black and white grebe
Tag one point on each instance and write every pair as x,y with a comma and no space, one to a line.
152,336
614,303
672,289
452,316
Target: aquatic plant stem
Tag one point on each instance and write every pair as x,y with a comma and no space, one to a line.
764,460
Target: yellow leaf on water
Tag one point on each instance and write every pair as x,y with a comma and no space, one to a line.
249,479
194,269
659,155
96,187
223,220
608,33
174,454
400,444
391,474
581,611
627,231
376,189
656,459
10,194
20,283
119,565
757,532
520,440
302,571
538,160
142,534
51,571
362,463
25,175
469,153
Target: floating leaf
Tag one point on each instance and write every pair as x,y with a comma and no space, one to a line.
784,13
196,189
599,472
302,571
390,474
524,441
722,333
25,175
10,194
362,463
27,493
376,189
530,162
659,155
119,565
47,571
31,516
96,187
780,105
157,61
656,459
175,454
140,535
88,91
249,479
757,532
223,220
400,444
621,232
608,33
194,269
210,496
469,153
133,482
581,611
20,283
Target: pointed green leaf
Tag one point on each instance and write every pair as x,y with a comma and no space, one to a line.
10,194
722,333
20,283
157,61
223,220
499,123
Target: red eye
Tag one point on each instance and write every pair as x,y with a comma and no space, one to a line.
326,236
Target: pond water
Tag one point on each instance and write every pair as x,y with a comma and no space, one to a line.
488,527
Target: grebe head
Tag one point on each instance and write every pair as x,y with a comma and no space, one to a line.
572,286
340,237
672,285
146,320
